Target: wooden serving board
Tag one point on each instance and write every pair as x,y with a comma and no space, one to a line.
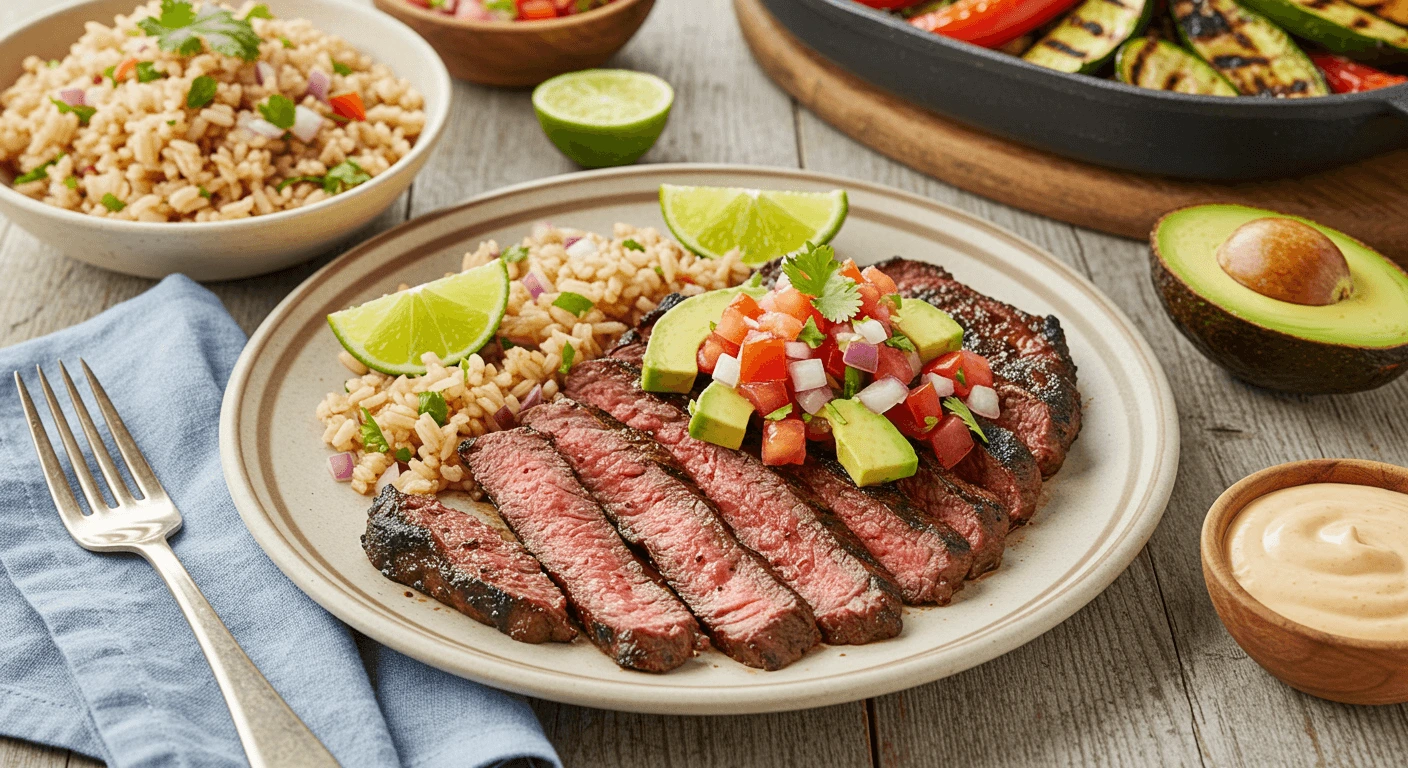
1368,200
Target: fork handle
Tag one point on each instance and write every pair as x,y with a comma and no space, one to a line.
272,735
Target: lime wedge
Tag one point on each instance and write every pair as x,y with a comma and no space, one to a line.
763,224
602,117
452,317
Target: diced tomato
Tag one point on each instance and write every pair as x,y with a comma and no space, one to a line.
784,442
832,359
763,359
732,327
974,368
793,302
819,430
711,349
766,396
746,305
951,441
880,280
123,70
849,269
529,10
783,326
894,363
872,306
905,423
923,404
348,105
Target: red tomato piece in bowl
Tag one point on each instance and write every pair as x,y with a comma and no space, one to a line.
880,280
766,396
894,363
781,325
762,359
784,442
967,369
951,441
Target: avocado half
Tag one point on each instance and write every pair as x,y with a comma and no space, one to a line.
1356,344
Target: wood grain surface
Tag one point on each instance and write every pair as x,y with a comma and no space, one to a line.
1144,675
1367,199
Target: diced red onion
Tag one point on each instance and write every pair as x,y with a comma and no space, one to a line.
341,466
983,401
582,248
318,84
535,397
265,128
871,330
844,340
807,374
943,386
726,370
915,364
388,477
72,96
813,400
862,355
570,241
264,73
534,284
798,350
884,394
306,123
505,418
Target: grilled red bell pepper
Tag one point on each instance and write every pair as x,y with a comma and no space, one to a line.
990,23
1345,76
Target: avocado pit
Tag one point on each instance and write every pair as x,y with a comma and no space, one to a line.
1283,259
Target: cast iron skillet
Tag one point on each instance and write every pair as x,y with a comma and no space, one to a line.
1095,120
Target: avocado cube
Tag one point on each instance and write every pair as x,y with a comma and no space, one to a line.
720,416
669,364
868,445
932,331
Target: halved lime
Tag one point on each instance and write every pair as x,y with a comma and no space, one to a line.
452,317
761,223
601,117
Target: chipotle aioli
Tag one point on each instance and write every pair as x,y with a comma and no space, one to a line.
1331,556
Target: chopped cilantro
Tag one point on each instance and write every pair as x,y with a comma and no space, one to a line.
659,271
575,303
631,245
434,404
40,171
806,418
111,202
287,42
278,109
296,179
815,272
84,112
959,377
71,182
53,63
205,193
569,353
170,122
930,422
147,72
179,28
260,11
506,343
403,454
956,406
780,413
852,382
811,334
514,254
372,438
713,326
202,92
111,74
900,341
344,176
341,69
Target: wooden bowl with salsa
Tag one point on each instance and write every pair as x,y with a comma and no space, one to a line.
1326,542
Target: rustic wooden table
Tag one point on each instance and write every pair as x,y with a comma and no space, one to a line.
1144,675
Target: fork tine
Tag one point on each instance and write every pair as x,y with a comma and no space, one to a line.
91,491
69,511
95,442
136,462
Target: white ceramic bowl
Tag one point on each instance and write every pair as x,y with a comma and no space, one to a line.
225,250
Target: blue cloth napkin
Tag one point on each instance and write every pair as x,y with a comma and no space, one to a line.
94,654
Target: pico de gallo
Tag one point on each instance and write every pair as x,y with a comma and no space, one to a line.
828,330
510,10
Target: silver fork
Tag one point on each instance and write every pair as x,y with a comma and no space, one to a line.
271,733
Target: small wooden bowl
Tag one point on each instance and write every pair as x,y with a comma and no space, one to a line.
523,53
1344,669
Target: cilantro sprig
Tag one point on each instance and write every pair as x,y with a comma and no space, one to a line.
514,254
339,178
179,28
811,334
815,272
40,171
569,353
780,413
372,438
959,409
900,341
575,303
279,110
434,404
84,112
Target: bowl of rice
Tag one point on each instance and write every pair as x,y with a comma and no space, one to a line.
216,140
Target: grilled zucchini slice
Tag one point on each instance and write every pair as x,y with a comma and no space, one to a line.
1151,63
1338,26
1089,35
1255,56
1395,11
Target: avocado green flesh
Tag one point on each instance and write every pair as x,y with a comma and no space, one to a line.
720,416
1163,66
1087,36
1335,24
670,358
930,329
1255,56
1375,316
868,445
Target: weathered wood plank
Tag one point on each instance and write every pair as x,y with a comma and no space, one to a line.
22,754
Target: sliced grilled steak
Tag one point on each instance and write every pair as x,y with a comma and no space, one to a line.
747,612
1035,377
972,511
465,564
629,615
927,558
1006,469
631,346
853,599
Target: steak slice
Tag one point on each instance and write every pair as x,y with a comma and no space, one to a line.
1006,469
465,564
631,617
631,346
747,612
973,512
1035,377
853,599
927,558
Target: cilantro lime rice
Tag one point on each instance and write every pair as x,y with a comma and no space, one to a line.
196,111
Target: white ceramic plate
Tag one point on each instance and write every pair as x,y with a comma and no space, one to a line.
1097,512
